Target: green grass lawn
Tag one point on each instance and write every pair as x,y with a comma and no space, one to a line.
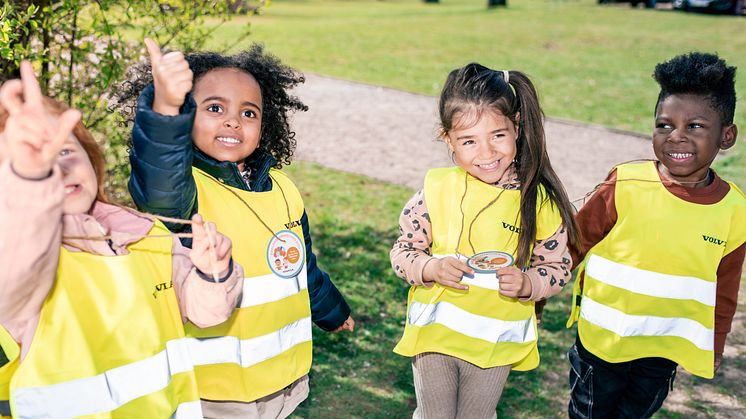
590,63
354,222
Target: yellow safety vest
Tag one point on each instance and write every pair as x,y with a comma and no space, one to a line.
480,325
266,344
650,284
110,341
11,349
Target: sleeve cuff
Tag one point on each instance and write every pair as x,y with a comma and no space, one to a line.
220,280
418,268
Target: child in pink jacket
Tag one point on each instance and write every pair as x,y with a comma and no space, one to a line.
54,215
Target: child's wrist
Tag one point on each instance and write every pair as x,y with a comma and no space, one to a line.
526,286
426,277
34,175
165,109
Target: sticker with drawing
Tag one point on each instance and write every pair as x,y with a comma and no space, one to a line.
285,254
490,261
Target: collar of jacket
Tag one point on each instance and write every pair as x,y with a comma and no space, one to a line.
260,162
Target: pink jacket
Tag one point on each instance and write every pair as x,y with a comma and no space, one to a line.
32,227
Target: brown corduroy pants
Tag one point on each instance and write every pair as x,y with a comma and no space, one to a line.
450,388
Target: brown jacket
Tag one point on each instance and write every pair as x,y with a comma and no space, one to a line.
599,215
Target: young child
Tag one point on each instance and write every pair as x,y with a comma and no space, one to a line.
665,239
466,330
93,296
215,148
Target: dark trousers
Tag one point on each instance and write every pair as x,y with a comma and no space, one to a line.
633,389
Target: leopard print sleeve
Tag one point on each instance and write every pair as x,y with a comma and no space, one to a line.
411,251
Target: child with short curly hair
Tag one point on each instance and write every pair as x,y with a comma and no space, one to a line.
211,133
659,282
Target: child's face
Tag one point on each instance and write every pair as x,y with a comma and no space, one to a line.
78,177
486,149
228,123
687,137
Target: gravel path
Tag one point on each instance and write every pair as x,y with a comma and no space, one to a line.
374,131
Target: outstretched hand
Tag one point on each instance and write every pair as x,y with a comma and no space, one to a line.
211,251
172,78
33,136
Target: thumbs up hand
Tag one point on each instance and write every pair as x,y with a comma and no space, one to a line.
172,79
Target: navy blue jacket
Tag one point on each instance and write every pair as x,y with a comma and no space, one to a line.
161,183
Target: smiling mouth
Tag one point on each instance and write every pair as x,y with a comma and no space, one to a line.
489,166
228,140
69,189
679,156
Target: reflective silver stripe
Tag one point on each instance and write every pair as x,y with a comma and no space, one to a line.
488,281
268,288
632,325
650,283
469,324
248,352
105,392
188,410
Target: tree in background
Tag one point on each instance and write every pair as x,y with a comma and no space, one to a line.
82,50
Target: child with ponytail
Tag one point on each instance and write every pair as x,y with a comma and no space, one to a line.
479,244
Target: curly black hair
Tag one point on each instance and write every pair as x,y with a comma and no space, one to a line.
702,74
275,80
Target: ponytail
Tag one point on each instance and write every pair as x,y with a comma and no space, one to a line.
534,169
474,88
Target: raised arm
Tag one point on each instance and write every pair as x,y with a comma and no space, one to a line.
161,153
31,202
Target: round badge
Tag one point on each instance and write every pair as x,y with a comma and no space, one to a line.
490,261
286,254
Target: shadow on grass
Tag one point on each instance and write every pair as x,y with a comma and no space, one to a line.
357,375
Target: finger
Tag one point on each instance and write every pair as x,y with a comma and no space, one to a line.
455,285
173,58
198,229
507,270
154,51
31,90
65,126
172,69
224,248
455,272
461,266
211,231
11,96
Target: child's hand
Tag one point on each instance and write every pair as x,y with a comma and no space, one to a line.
33,136
718,360
447,271
349,325
172,78
513,282
211,251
